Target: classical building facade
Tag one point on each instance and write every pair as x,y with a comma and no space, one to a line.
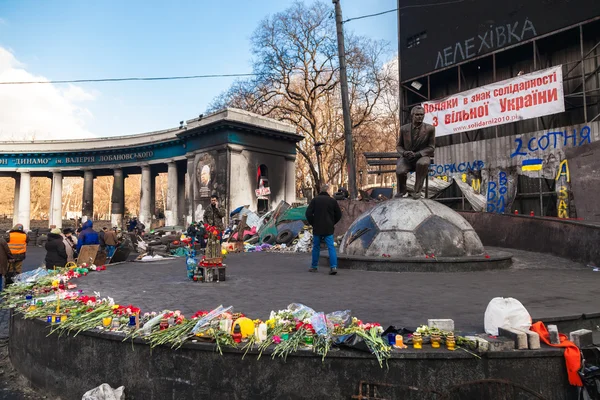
230,153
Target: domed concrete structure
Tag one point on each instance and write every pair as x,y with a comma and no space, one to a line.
407,228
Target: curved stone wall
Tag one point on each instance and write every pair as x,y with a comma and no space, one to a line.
69,366
575,240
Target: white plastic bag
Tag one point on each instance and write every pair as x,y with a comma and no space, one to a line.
505,312
105,392
31,276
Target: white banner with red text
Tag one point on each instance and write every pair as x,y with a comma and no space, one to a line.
523,97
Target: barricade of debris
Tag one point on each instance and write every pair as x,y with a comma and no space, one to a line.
283,229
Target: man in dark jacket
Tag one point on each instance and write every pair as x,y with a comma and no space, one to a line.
5,257
323,213
56,253
87,235
215,213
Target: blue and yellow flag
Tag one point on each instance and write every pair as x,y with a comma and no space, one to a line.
534,164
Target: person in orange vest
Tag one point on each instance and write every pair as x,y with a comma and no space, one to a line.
17,243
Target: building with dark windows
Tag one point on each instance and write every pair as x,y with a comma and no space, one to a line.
452,48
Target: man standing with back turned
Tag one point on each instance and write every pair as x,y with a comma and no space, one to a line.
416,145
323,213
17,243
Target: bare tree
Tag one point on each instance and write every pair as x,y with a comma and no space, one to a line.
295,59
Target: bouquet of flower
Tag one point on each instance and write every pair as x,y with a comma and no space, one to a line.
213,245
370,333
175,333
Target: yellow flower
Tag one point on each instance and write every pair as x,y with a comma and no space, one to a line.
270,323
55,283
115,307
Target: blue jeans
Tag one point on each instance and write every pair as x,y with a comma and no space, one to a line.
110,250
316,250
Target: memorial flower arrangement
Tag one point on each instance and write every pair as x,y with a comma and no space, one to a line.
370,333
47,296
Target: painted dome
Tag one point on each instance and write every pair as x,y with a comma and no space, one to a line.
407,228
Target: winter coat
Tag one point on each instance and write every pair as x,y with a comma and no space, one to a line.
70,245
323,213
87,236
5,255
214,216
132,225
56,254
110,238
191,231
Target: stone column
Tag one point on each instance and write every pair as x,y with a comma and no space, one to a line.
87,211
181,173
145,200
118,198
16,200
153,176
190,198
51,209
57,185
290,179
24,200
172,206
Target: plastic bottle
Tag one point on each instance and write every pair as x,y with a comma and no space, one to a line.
191,266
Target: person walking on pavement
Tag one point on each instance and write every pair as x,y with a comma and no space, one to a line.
56,253
214,214
17,243
323,213
5,258
110,239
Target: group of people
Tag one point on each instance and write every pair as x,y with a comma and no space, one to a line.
62,247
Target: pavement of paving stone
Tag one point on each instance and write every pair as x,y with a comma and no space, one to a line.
260,282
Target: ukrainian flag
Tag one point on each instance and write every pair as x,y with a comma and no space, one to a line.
534,164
